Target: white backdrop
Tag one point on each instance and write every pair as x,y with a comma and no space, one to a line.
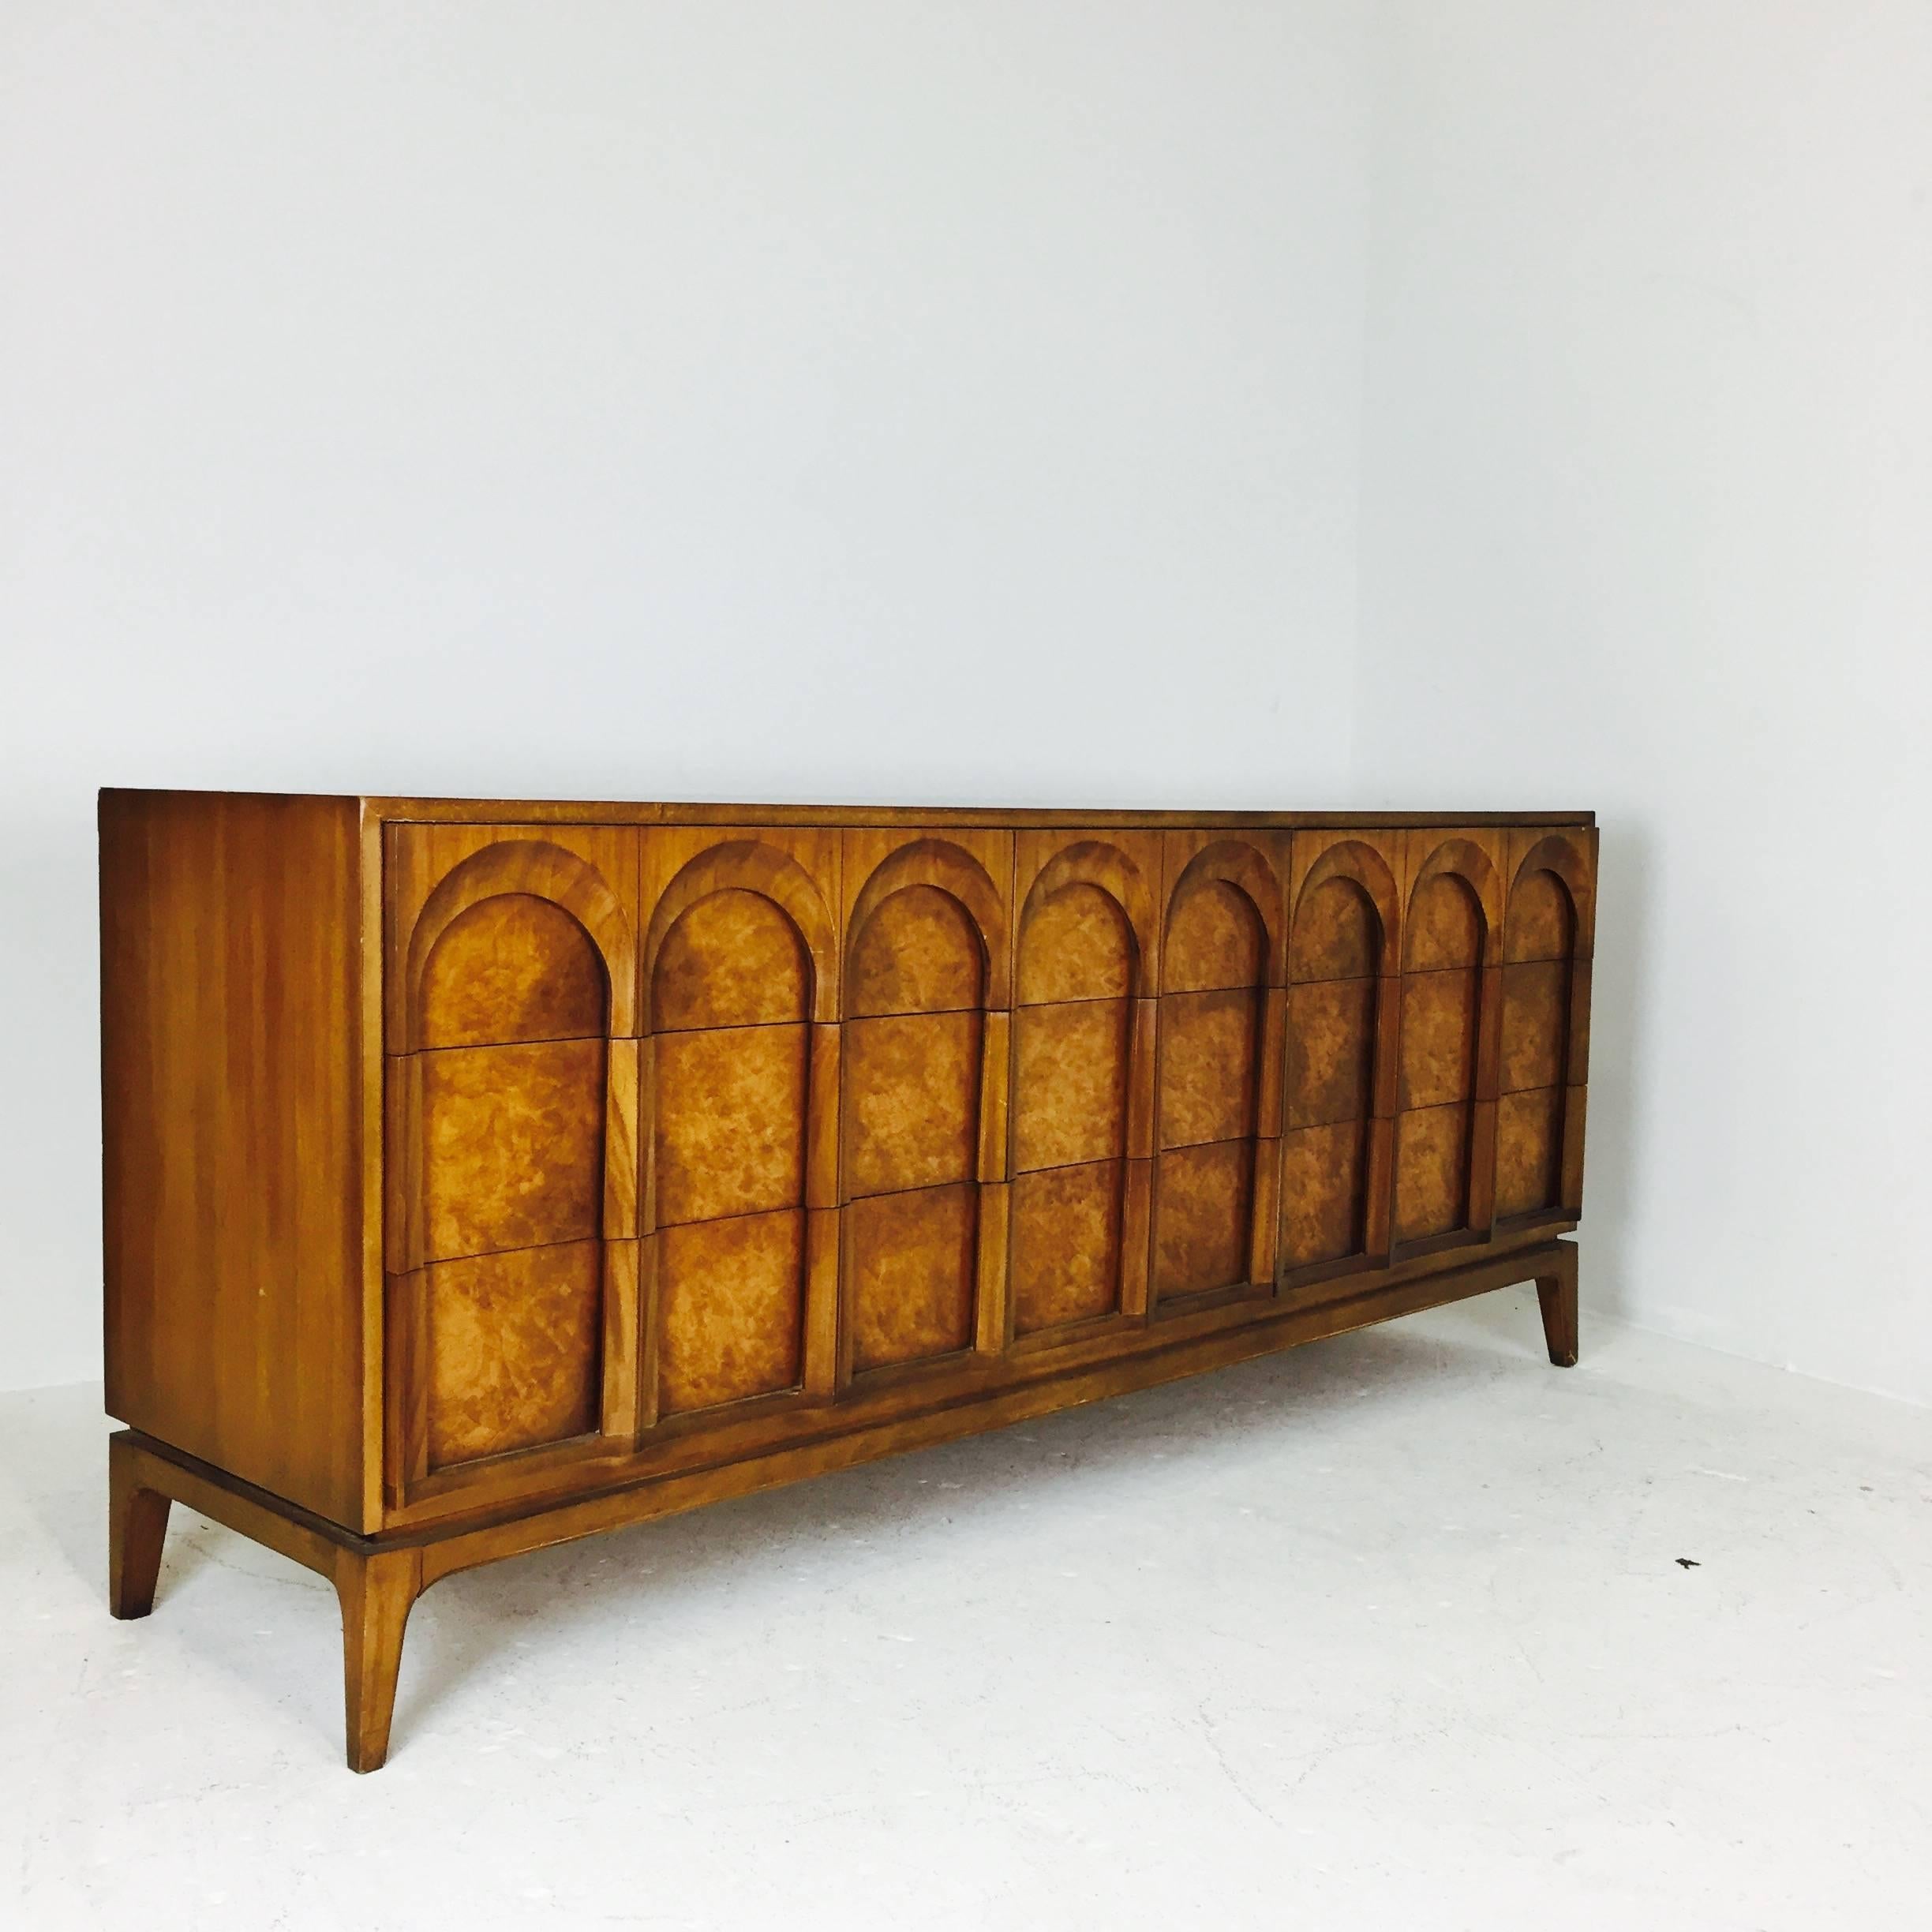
921,402
1648,523
887,400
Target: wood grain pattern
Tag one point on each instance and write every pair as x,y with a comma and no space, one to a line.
1066,1245
1451,1034
734,959
744,911
731,1306
1440,1014
232,1141
910,1263
689,813
1327,1183
513,1146
1224,895
1332,1076
437,877
730,1122
742,975
1210,1051
712,1139
514,1351
944,899
1086,953
1536,1024
1434,1149
1089,923
1218,1095
1203,1218
508,968
1070,1078
1530,1150
912,1090
1549,934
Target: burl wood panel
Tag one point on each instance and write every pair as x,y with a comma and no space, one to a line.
731,1309
1433,1156
439,877
910,1267
912,1084
927,954
1218,1087
1066,1245
513,1146
232,1136
512,962
514,1345
509,969
730,1122
1329,1178
1202,1227
1086,951
759,894
1331,1060
740,957
1439,1014
1210,1074
1070,1082
1344,1002
1529,1150
1445,1147
943,895
734,960
1548,931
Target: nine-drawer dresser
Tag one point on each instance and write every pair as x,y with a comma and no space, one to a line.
479,1175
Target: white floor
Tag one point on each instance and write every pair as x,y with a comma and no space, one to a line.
1389,1631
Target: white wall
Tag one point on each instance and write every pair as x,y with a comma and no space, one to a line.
911,401
1648,526
865,399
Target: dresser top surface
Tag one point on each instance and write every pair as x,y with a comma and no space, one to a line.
572,811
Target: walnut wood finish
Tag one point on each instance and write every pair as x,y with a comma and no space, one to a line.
481,1175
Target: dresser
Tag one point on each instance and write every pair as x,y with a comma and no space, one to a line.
482,1174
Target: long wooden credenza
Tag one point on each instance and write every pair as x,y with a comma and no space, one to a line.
483,1174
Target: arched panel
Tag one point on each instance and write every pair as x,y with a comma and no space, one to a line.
1338,934
1539,997
1071,1039
919,951
1445,1131
734,958
730,993
1329,1169
534,869
1540,922
511,968
511,1177
914,963
916,980
765,927
1212,1023
1445,927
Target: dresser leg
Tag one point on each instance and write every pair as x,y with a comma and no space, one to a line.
1557,1292
136,1527
377,1592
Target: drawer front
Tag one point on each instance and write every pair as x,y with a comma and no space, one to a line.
700,1137
512,1072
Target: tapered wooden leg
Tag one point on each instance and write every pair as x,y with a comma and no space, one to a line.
377,1592
136,1527
1557,1291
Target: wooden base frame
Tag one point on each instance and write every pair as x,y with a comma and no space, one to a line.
377,1579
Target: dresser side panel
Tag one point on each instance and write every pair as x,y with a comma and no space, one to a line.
232,1135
